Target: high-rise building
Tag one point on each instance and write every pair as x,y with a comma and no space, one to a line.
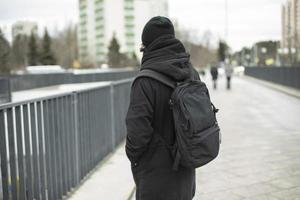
290,43
290,24
298,20
100,20
24,28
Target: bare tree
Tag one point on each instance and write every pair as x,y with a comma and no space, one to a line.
65,46
33,54
199,47
206,39
19,51
4,54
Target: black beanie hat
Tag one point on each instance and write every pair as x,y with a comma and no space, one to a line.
156,27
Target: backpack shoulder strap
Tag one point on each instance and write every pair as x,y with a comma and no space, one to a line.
157,76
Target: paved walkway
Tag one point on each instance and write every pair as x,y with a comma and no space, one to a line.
112,180
260,153
259,158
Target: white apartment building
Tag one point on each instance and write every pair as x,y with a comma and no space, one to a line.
298,19
24,28
101,19
290,24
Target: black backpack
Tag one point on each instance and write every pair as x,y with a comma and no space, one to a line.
197,132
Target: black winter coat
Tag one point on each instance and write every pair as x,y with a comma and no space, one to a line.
214,73
150,126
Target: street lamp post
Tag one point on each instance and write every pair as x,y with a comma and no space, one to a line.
226,20
279,52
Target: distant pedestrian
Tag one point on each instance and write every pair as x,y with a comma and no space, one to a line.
154,121
202,72
228,73
214,74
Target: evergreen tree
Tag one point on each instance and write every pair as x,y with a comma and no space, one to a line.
47,56
114,55
4,54
133,61
32,51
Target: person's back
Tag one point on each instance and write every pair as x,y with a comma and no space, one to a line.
228,72
214,73
150,125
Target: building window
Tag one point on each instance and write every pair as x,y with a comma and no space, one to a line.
98,1
129,17
100,35
83,15
99,18
83,23
129,34
100,27
82,6
99,10
129,26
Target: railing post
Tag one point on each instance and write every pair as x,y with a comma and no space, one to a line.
112,103
76,128
3,156
5,91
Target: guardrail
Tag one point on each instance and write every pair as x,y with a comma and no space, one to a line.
288,76
48,145
5,95
31,81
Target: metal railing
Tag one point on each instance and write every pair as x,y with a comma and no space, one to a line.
288,76
31,81
48,145
5,95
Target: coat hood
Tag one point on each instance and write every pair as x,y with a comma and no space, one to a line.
168,56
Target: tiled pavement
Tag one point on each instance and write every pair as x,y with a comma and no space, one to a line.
260,152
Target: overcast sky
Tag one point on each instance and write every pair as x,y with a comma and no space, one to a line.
249,20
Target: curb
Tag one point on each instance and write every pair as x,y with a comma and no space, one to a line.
131,196
281,88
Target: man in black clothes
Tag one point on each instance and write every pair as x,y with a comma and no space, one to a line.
214,74
149,121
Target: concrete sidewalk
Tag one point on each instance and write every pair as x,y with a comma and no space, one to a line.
112,180
260,153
